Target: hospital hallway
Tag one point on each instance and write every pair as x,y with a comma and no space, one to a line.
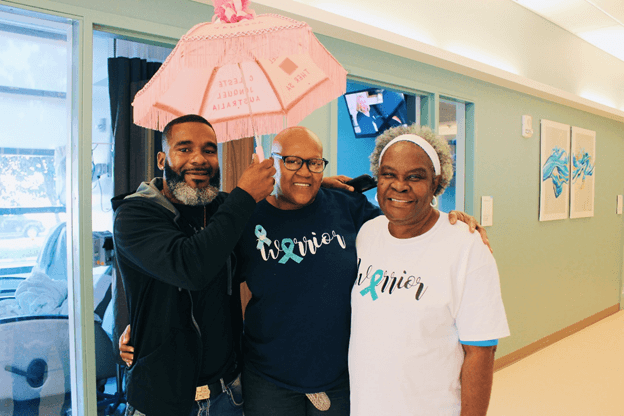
581,375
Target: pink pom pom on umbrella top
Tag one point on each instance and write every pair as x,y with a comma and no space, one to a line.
232,11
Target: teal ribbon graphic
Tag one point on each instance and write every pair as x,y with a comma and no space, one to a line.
262,238
375,280
288,246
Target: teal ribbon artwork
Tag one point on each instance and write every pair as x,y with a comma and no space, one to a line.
288,246
262,238
375,280
556,169
582,166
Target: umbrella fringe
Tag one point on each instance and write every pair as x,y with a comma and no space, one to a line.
333,88
154,119
236,129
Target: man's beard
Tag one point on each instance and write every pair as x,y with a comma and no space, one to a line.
188,195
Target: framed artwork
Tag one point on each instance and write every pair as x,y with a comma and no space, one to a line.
582,173
554,171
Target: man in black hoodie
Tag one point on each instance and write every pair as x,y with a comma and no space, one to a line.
174,239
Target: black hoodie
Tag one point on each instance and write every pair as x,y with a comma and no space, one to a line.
163,260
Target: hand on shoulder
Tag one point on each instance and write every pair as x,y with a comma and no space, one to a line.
472,223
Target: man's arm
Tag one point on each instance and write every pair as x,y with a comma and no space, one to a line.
473,225
126,351
477,374
340,182
147,238
337,182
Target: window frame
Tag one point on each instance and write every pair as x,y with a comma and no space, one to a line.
460,149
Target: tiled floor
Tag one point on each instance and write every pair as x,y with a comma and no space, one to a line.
581,375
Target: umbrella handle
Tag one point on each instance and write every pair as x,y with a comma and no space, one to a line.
259,150
260,153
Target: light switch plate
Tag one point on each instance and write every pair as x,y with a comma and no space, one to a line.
487,211
619,204
527,126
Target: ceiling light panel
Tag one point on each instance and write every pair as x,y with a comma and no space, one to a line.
581,19
615,8
551,6
572,15
609,39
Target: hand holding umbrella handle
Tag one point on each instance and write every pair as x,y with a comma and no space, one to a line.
257,180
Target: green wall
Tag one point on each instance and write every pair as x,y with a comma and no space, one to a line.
553,274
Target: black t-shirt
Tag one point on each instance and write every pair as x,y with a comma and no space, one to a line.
211,307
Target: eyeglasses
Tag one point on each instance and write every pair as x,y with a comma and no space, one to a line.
295,163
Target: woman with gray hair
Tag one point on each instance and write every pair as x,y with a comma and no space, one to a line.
427,311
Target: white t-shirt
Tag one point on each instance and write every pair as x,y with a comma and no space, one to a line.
413,301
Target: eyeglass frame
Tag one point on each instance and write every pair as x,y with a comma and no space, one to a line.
307,162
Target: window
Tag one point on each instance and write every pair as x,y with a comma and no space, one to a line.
36,102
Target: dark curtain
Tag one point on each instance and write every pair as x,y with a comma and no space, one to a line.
126,76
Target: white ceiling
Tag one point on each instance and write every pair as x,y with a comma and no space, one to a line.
599,22
504,42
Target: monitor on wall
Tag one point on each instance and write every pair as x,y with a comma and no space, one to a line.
374,110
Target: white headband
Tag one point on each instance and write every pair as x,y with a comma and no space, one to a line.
420,142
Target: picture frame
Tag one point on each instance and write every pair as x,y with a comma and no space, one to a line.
554,171
582,173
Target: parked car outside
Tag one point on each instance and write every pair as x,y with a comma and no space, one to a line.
13,226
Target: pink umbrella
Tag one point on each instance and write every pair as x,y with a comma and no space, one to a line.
246,74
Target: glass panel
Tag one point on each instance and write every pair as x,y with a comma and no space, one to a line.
35,72
452,127
364,112
106,46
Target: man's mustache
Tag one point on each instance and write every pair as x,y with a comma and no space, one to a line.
207,171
